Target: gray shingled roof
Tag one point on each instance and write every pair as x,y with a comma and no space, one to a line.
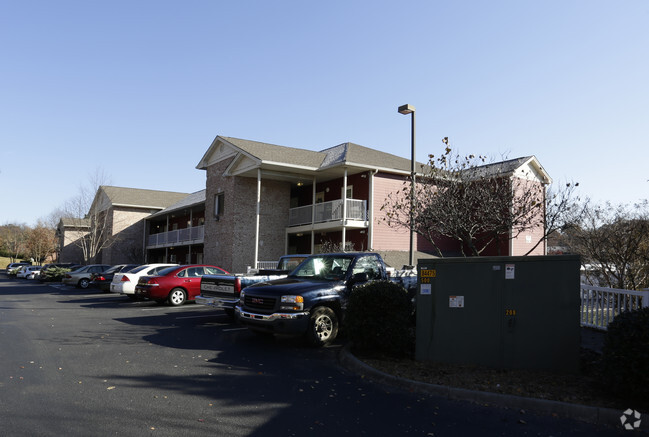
501,168
375,158
337,155
141,197
191,200
354,155
273,153
75,222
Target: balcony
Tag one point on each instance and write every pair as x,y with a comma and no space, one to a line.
194,235
328,212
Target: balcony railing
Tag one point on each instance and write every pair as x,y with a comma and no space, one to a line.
328,211
191,235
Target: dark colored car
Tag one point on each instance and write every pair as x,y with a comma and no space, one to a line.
176,284
102,280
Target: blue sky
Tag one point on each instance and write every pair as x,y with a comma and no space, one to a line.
139,89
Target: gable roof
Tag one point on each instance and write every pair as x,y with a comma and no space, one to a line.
248,156
281,162
527,167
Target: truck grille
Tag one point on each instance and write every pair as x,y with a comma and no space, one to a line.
260,303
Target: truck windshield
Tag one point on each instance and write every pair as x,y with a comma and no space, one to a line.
328,267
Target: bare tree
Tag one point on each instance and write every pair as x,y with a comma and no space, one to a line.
474,205
84,211
563,210
614,244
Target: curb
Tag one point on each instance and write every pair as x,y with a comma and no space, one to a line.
584,413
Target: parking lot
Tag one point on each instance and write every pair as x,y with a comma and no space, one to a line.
80,363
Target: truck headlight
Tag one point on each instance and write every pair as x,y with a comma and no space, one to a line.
242,297
289,302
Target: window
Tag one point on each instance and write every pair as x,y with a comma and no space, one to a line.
369,265
214,271
218,204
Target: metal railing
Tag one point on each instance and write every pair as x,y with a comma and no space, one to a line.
194,234
328,211
600,305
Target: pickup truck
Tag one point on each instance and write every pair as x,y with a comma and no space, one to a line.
222,291
311,300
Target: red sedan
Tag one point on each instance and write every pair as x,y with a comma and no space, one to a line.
176,284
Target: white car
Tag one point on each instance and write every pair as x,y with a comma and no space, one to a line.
28,272
124,283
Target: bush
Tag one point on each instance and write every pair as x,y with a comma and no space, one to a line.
378,319
53,274
626,354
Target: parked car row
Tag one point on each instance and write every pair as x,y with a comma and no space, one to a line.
163,282
13,268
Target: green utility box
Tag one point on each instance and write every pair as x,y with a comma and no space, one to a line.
501,312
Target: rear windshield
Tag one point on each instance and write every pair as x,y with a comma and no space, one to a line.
138,269
166,271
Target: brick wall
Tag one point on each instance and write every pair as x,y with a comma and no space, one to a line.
229,241
127,233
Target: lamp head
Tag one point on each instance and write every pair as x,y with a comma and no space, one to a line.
406,109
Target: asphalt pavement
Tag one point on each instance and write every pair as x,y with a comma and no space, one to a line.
86,363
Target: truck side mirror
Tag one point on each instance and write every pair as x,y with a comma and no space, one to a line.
358,277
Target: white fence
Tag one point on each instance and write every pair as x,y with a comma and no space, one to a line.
600,305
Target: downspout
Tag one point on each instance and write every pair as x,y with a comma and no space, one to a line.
147,227
191,225
344,210
370,211
167,247
257,217
313,217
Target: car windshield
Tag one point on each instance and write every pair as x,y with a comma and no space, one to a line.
329,267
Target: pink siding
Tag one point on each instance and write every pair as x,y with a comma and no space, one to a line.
386,237
522,243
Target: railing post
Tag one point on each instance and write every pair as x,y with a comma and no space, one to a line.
645,298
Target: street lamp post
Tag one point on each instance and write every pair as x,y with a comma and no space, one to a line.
409,109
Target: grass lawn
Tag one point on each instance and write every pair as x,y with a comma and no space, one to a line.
4,262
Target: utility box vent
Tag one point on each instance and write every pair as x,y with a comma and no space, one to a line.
501,312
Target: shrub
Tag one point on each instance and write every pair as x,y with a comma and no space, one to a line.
625,360
53,274
378,319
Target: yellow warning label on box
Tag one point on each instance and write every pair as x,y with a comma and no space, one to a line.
428,273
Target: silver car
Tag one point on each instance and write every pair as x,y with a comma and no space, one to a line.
81,276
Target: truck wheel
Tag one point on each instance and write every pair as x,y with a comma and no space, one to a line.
176,297
323,326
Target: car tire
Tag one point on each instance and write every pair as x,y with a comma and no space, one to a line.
177,297
323,326
83,283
